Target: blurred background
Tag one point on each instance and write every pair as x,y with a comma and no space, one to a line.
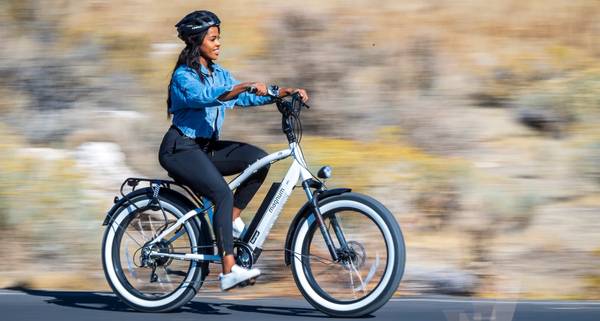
476,123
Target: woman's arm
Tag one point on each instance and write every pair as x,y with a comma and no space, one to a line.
261,90
257,98
187,88
247,99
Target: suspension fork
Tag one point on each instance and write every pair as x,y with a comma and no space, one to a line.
338,232
317,212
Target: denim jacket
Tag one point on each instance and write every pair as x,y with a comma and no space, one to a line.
197,110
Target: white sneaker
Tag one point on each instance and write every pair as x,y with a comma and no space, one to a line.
238,275
238,228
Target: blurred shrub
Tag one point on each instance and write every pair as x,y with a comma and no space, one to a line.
128,52
52,84
42,18
18,11
592,285
583,97
498,205
545,112
42,201
587,164
338,66
423,52
437,195
437,203
552,107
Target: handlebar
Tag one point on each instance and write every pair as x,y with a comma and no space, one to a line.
295,96
290,114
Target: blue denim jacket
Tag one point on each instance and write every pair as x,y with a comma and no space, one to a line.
197,110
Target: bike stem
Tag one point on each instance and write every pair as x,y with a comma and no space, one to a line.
317,212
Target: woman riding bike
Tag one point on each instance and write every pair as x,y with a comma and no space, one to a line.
200,91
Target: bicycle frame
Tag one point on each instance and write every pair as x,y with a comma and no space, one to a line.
297,171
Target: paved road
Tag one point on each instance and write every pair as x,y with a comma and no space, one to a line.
38,305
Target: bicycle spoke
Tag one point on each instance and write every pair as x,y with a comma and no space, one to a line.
352,284
362,284
372,269
151,226
167,274
160,282
141,228
141,242
127,233
130,263
320,259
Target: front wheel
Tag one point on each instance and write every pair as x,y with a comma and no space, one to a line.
371,253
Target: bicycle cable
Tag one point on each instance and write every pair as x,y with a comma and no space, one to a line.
296,124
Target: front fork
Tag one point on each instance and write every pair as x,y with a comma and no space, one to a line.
313,198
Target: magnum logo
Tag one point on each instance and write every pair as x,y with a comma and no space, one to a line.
276,200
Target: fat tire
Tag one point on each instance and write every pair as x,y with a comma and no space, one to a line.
199,272
397,269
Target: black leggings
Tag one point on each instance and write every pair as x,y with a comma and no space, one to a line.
201,164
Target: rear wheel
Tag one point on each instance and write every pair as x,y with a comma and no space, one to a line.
371,249
153,284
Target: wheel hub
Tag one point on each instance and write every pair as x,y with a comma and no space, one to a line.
354,254
163,247
160,247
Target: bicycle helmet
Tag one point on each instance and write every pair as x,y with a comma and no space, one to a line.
196,22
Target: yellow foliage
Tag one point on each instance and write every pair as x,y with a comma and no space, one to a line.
361,164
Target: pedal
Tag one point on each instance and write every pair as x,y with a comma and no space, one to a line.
247,283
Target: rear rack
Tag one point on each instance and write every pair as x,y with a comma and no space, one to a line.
155,184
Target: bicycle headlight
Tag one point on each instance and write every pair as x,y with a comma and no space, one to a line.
324,172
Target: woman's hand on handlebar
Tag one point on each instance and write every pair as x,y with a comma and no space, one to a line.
302,93
260,89
290,91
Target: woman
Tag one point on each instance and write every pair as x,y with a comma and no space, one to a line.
199,93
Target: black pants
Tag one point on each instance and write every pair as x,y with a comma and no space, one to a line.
201,164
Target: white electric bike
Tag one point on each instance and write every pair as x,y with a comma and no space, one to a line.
346,250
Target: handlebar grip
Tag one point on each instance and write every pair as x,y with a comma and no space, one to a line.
297,96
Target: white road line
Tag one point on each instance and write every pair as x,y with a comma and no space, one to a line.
12,293
595,303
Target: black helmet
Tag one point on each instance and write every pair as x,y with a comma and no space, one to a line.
196,22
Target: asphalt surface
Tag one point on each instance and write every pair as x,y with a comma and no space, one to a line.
24,304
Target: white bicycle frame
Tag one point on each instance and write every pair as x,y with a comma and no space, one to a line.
297,171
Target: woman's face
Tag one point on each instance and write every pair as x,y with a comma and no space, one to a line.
211,44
